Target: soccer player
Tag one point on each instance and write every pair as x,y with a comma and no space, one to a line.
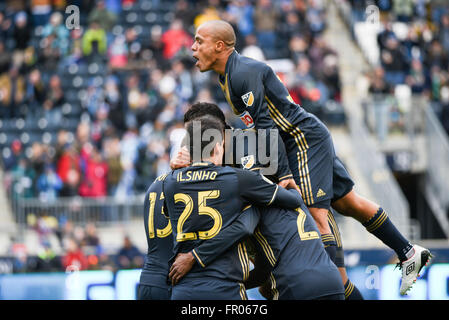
305,271
205,197
153,280
256,94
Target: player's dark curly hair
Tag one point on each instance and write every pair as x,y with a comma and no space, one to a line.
200,109
196,133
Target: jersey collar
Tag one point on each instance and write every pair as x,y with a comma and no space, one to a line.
202,164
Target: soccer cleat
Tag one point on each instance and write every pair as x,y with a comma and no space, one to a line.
412,267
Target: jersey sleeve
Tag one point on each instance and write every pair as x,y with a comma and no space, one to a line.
262,267
257,189
243,226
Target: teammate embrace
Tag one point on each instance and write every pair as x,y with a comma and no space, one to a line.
294,244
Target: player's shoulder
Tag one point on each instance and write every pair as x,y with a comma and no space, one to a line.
156,186
247,67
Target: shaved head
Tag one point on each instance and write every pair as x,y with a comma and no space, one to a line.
219,30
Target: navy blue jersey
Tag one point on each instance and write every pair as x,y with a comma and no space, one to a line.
260,99
203,199
159,237
290,241
249,153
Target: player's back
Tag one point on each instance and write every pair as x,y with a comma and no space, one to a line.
205,200
159,237
261,100
291,242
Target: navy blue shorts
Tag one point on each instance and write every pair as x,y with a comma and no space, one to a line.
317,171
208,289
145,292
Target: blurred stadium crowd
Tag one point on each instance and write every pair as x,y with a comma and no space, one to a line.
414,49
96,111
93,111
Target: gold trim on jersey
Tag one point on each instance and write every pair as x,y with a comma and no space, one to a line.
274,290
198,258
336,230
225,89
200,164
274,195
284,177
242,291
244,260
301,142
265,247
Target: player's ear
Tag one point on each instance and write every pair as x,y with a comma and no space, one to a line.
219,46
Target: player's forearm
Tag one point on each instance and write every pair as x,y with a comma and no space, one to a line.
243,226
288,199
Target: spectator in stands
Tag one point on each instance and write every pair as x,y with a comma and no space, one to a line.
59,30
118,53
11,160
40,10
156,48
266,17
5,58
48,184
94,40
129,256
68,169
416,77
54,100
36,91
403,9
206,14
91,238
251,49
101,13
241,13
47,260
111,147
394,61
94,179
378,84
315,16
175,39
74,259
436,56
22,35
12,93
23,177
185,11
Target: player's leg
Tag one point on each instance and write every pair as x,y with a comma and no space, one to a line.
208,288
376,221
311,163
351,291
145,292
